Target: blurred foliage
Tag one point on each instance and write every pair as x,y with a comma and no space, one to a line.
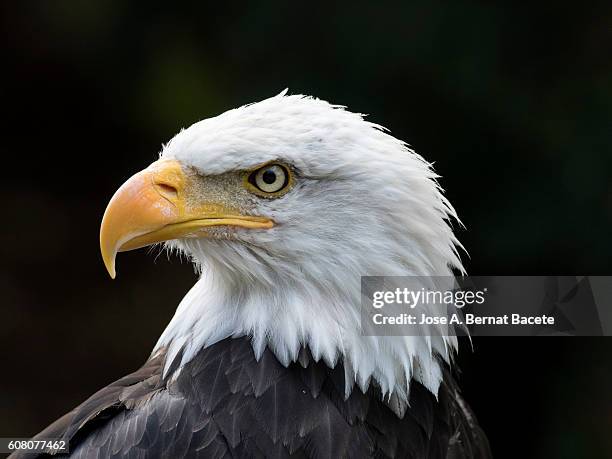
511,101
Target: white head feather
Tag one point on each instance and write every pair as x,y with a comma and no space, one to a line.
363,204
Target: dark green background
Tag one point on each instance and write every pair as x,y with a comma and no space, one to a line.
512,101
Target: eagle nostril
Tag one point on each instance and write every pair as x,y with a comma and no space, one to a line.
167,190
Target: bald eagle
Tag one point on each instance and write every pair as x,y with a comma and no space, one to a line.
282,205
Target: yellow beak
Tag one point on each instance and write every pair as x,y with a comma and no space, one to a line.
159,204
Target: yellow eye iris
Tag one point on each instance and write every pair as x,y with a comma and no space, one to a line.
270,180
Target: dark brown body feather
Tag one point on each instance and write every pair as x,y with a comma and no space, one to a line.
224,403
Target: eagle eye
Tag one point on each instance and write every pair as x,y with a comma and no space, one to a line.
270,180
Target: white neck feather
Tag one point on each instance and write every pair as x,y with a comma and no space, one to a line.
287,312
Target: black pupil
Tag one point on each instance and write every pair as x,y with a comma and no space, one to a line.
269,177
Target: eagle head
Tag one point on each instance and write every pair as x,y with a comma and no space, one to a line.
283,205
